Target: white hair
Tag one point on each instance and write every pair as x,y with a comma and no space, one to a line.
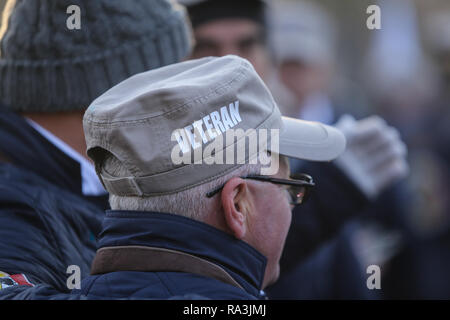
192,203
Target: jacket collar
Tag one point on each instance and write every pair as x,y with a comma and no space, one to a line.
27,149
134,228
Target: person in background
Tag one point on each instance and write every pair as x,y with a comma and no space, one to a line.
51,201
345,188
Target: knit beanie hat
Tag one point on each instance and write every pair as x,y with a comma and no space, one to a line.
47,67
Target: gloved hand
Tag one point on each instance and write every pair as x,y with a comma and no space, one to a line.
375,156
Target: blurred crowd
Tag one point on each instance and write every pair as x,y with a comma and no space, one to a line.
400,72
386,201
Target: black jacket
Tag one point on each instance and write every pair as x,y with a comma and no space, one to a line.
47,224
334,201
150,255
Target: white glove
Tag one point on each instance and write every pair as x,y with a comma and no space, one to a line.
375,156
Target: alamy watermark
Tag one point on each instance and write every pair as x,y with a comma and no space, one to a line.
214,140
374,280
374,20
74,279
235,146
73,22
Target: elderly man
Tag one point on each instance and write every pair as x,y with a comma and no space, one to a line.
205,229
350,186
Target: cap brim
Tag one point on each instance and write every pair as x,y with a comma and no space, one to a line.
310,140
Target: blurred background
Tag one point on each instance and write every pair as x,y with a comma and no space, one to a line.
326,58
400,72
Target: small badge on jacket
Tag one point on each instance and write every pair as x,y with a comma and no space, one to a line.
9,280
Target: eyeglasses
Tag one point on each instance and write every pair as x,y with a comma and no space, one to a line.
298,186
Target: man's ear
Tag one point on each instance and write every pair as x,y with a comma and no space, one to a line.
236,205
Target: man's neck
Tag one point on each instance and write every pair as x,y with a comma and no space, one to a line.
67,126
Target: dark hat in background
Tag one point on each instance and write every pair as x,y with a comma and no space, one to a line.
46,67
203,11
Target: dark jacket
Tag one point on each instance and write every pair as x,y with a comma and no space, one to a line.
421,269
333,202
318,261
47,224
332,271
147,255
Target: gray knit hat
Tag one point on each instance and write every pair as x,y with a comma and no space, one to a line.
46,67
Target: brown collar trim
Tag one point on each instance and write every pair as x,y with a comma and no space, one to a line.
142,258
4,159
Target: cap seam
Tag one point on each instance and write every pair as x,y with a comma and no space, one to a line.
219,174
89,117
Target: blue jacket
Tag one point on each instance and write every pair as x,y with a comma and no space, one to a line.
318,261
124,274
47,224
